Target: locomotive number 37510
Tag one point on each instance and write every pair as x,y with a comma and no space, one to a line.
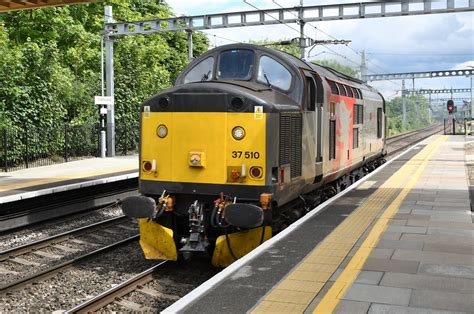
246,155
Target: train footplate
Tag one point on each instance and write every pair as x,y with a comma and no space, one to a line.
157,241
232,246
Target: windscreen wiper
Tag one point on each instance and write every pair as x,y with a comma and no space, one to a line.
205,77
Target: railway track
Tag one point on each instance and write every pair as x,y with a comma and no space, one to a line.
147,291
151,290
28,211
116,294
43,258
402,141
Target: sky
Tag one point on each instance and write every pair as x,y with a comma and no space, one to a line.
392,44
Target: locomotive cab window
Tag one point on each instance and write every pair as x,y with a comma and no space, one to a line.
273,73
236,64
203,71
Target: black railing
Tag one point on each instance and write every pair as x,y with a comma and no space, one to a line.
26,147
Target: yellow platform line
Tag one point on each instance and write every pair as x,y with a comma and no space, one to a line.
332,298
297,290
35,182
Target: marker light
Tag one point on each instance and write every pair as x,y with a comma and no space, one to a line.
147,166
256,172
238,133
162,131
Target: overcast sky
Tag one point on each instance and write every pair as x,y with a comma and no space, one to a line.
392,45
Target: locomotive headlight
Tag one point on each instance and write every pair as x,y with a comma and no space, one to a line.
162,131
238,133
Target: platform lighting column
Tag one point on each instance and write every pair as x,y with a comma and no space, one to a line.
109,77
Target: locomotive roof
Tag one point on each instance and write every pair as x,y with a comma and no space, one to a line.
297,63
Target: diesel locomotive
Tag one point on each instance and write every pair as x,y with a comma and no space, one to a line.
247,141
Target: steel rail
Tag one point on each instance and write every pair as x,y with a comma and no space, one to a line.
438,129
41,243
109,296
397,137
63,266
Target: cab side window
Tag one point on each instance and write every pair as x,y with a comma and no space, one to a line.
273,73
201,72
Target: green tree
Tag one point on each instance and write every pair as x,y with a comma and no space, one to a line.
50,62
337,66
416,117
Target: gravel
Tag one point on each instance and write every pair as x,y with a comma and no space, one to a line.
92,244
87,279
46,229
186,276
75,285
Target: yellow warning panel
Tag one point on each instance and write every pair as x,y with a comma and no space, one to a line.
241,243
157,241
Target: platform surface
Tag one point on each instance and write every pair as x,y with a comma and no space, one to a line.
33,182
399,241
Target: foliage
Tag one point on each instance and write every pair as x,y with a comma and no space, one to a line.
50,62
416,114
337,66
50,70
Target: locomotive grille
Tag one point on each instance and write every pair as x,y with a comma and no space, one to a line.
290,142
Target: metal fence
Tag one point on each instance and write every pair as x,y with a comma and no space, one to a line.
26,147
456,127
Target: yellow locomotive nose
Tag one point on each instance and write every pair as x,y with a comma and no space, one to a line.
203,147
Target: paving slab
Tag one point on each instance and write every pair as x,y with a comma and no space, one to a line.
378,294
440,224
406,229
443,300
450,248
451,231
448,270
428,282
432,257
397,244
349,307
438,238
396,309
392,265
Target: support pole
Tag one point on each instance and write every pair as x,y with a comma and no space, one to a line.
429,108
190,45
404,107
302,38
109,76
472,107
363,68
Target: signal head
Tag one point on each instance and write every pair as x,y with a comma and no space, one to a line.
450,105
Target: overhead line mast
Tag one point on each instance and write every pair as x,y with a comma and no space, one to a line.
315,13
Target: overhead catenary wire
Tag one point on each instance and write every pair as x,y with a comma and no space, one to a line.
333,37
345,44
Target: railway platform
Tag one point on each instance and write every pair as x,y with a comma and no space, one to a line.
398,241
33,194
33,182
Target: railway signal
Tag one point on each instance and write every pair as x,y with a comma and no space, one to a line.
450,106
